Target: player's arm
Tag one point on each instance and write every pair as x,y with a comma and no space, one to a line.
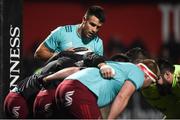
61,74
43,53
66,53
94,60
121,99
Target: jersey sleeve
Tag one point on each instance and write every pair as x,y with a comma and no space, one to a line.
99,47
53,40
136,76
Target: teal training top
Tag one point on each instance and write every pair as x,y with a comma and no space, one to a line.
107,89
65,37
168,104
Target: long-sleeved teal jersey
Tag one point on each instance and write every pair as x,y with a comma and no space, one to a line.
65,37
107,89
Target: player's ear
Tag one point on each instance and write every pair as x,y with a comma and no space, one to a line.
84,19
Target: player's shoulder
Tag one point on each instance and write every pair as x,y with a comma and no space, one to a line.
177,66
177,69
97,39
68,28
127,65
65,28
132,67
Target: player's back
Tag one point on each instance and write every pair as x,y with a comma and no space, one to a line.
107,89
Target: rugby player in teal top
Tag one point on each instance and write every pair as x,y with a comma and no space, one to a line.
73,36
81,94
165,94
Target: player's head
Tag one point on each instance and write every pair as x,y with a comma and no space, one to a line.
136,53
167,70
120,57
151,70
96,11
92,22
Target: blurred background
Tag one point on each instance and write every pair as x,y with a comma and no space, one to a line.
151,25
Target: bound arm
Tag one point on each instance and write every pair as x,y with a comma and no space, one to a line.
121,100
94,60
61,74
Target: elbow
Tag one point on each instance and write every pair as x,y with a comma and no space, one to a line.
39,56
40,52
76,69
36,55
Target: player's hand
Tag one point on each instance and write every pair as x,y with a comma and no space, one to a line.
106,70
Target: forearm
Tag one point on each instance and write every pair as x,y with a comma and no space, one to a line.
101,64
94,60
121,99
43,53
52,58
117,108
60,75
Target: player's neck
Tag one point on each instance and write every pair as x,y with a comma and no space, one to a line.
79,30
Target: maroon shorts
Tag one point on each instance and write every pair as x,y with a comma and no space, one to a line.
75,100
15,106
44,104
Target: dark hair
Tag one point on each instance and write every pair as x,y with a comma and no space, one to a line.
96,11
137,53
165,65
120,57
